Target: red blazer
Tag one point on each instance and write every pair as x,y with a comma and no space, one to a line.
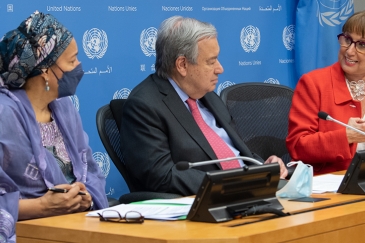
321,143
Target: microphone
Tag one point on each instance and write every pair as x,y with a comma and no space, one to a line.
183,165
323,115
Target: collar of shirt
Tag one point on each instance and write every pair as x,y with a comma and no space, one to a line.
183,96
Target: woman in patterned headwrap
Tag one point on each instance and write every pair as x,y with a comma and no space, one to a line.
42,142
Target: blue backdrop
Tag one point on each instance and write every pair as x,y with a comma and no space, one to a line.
116,46
325,18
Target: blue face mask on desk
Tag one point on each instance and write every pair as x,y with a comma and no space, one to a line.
68,83
300,183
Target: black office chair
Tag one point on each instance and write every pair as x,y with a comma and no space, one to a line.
260,112
108,121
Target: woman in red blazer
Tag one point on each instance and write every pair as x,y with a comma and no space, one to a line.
339,90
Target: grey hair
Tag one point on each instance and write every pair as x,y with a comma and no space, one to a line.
179,36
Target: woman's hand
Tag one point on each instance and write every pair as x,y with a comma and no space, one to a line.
276,159
353,136
62,203
52,203
85,203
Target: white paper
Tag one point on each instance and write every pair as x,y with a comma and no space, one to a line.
326,183
149,211
184,200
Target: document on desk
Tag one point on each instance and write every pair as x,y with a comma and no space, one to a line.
326,183
160,209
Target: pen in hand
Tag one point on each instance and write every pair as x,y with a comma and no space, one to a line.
60,190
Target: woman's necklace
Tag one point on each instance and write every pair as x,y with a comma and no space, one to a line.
357,89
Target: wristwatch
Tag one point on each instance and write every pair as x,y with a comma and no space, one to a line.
91,206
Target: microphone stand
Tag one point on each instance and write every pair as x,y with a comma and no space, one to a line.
226,159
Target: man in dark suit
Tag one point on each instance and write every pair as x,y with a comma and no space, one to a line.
158,129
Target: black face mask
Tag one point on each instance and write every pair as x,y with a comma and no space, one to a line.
68,83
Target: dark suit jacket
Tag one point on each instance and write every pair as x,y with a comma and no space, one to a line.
158,131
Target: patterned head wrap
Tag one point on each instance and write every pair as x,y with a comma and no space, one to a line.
35,45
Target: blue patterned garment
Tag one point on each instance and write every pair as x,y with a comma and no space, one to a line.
35,45
28,169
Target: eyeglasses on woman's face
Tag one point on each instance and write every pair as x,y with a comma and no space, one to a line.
346,41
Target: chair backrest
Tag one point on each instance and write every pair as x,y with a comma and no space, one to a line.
108,120
260,112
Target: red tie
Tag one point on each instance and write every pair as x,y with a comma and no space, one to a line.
218,145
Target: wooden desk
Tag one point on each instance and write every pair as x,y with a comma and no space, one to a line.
345,223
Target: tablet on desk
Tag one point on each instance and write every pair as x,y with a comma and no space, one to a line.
354,180
224,193
308,199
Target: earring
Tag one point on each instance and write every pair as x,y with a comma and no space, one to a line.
47,87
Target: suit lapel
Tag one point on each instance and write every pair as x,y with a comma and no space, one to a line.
183,116
223,119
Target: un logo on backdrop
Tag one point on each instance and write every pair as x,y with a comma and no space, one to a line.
95,43
289,37
224,85
102,159
148,41
121,94
271,81
334,12
250,38
75,101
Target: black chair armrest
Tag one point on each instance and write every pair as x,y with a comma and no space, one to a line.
112,202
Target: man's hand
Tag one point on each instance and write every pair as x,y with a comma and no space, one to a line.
276,159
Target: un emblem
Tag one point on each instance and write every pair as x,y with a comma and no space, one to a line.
102,159
334,12
289,37
121,94
148,41
75,101
224,85
271,81
95,43
6,225
250,38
